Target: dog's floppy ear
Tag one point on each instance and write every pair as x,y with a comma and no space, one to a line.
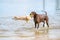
32,14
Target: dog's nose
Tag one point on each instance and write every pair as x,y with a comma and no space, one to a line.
30,14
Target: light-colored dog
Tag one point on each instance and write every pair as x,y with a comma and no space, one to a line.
26,18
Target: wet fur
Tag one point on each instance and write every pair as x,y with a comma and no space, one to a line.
38,18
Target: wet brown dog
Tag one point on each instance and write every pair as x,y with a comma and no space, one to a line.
38,18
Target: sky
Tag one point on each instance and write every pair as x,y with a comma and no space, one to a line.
19,7
24,7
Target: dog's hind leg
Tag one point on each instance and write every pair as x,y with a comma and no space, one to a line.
43,24
47,23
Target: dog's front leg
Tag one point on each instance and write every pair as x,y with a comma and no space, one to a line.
35,24
38,26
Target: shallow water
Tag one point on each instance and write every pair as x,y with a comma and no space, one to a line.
11,29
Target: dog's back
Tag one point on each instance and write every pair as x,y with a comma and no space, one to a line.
41,17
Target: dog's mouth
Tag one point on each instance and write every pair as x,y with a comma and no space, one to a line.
31,15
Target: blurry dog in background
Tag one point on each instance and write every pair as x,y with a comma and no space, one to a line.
26,18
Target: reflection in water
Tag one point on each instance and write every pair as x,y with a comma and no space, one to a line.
36,35
18,30
41,35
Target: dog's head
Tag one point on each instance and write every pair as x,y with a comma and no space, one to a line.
32,14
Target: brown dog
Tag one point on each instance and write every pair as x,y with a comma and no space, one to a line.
38,18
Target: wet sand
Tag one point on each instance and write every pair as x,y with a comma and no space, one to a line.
20,30
53,34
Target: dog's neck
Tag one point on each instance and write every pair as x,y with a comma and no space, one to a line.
35,15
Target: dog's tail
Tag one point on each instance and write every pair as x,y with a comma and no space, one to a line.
45,12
